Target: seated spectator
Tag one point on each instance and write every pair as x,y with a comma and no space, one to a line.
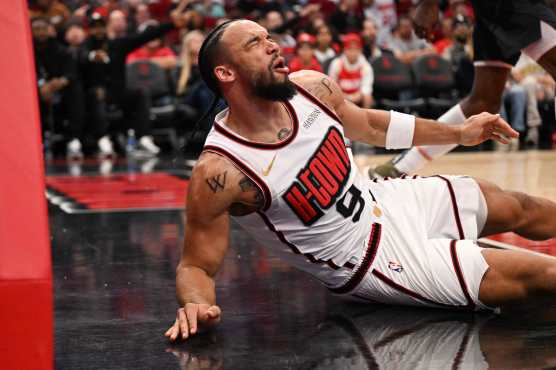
383,14
371,50
513,108
140,16
352,72
274,21
406,45
460,53
348,17
105,76
324,52
59,85
54,11
304,55
191,89
445,37
539,87
154,50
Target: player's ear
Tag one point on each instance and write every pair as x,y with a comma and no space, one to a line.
224,73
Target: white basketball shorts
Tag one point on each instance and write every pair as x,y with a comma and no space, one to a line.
422,250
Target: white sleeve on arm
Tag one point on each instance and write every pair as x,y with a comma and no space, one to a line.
368,79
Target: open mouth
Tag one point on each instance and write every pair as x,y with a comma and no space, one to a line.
280,66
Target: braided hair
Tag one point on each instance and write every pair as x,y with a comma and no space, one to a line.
207,60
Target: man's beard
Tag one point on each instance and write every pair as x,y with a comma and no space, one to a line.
272,89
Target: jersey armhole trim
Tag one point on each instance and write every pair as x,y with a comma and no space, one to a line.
246,171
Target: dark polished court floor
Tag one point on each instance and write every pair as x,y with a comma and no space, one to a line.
114,298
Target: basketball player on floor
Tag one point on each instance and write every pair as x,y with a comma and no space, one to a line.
276,162
503,29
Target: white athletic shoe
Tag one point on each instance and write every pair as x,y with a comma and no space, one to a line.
74,149
105,146
147,144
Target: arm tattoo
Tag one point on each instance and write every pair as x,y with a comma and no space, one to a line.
326,83
247,185
283,133
218,182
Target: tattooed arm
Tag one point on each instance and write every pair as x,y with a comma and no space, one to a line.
370,125
216,190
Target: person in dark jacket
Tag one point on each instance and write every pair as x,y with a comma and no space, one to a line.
59,85
103,63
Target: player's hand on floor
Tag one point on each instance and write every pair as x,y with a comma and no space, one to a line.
192,317
485,126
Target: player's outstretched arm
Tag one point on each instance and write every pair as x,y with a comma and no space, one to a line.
212,191
395,130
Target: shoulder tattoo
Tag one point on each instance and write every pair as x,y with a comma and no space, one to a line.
217,183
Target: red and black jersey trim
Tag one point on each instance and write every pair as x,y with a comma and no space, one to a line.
318,102
246,170
459,274
265,146
295,249
385,279
454,205
370,254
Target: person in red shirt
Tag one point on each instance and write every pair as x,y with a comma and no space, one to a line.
353,73
155,51
305,54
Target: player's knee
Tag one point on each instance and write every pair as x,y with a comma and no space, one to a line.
518,210
544,281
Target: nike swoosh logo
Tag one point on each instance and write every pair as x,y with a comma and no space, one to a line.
267,170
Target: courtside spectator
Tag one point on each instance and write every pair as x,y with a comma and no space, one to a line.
117,24
460,53
406,45
383,13
59,86
324,51
105,77
371,50
352,72
107,7
191,89
446,30
304,55
54,11
154,50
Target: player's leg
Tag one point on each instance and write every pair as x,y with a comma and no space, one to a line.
486,95
517,277
529,216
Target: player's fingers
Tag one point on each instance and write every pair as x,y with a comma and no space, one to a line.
500,138
170,329
504,128
214,312
192,312
184,327
174,331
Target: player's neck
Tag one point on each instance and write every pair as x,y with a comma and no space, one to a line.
253,117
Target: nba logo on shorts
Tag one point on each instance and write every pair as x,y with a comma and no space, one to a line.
395,266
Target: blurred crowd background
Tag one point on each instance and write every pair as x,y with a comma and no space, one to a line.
121,76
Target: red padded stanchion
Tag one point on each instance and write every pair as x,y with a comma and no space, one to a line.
25,267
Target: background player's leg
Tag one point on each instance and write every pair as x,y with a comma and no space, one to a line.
529,216
486,95
516,277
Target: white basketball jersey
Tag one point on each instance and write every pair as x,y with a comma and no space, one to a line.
317,212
